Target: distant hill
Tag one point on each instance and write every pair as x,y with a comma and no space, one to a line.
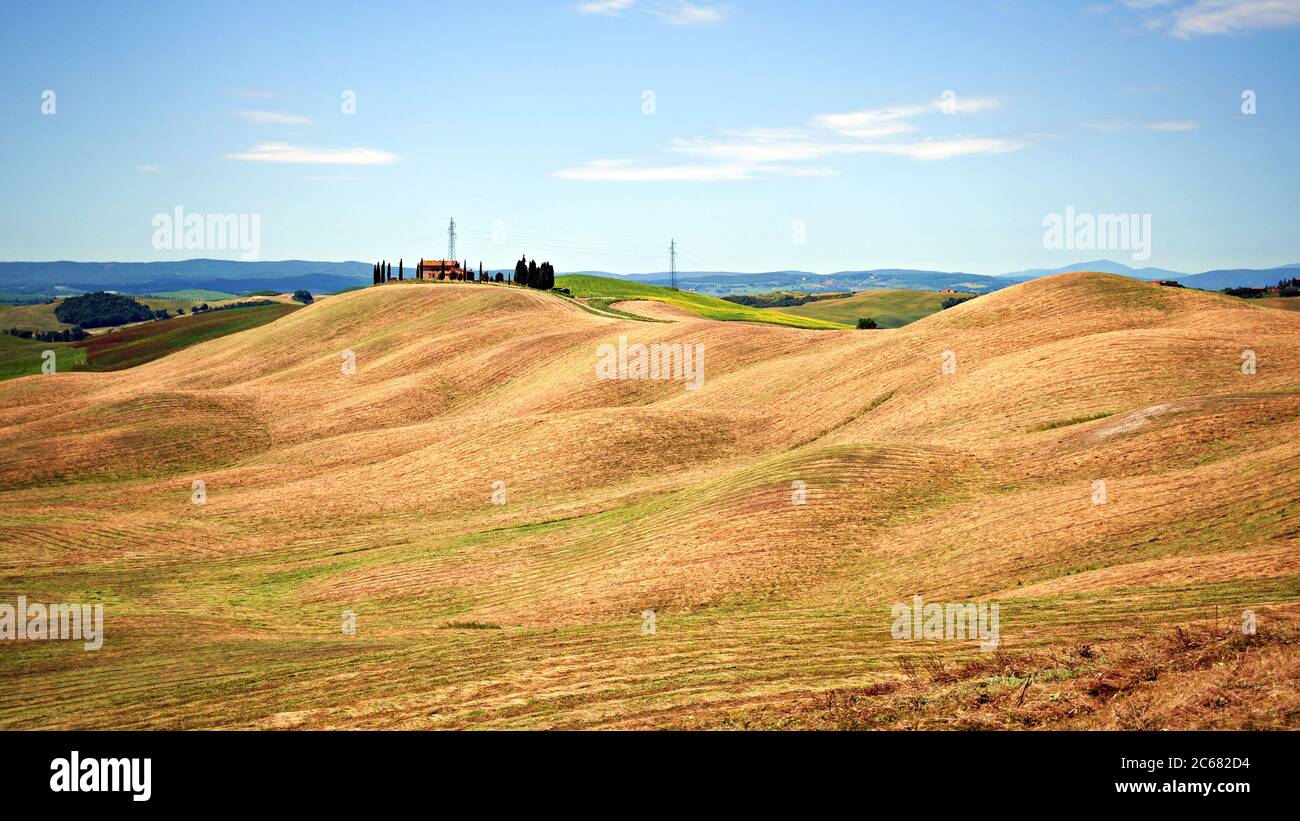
1104,266
227,276
1215,280
721,283
890,309
25,280
1240,277
602,292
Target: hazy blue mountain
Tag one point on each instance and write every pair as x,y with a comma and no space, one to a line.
1240,277
1215,280
1104,266
40,279
720,283
232,276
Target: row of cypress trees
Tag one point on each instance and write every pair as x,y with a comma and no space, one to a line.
384,271
531,274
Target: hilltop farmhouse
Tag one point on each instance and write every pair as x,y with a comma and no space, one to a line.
444,269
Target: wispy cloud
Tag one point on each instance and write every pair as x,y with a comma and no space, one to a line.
607,8
148,169
742,154
1229,16
272,118
946,149
887,122
1209,17
1113,126
672,12
284,153
686,13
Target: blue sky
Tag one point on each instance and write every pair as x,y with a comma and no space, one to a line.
820,136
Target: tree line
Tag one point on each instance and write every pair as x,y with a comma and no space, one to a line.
65,335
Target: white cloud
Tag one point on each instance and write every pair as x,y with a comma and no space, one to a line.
284,153
891,121
272,118
607,8
1229,16
1173,125
672,12
748,153
946,149
148,169
1208,17
754,146
686,13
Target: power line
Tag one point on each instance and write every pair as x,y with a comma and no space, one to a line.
451,239
672,264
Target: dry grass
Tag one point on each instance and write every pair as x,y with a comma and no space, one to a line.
372,493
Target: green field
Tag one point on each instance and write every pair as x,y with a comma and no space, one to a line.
146,342
41,317
890,309
31,317
21,357
609,290
192,294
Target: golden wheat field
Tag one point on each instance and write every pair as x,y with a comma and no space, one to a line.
373,492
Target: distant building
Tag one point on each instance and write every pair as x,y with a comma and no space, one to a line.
1168,283
440,269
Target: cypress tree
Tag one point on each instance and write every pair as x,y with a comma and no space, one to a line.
400,270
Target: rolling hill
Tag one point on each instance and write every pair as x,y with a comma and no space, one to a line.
603,292
890,309
376,493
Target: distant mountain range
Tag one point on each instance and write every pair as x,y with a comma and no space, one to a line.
725,282
230,276
1215,280
721,283
43,279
